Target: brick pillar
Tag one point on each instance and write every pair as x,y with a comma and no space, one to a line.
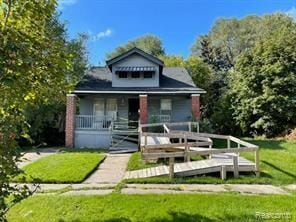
70,120
195,106
143,109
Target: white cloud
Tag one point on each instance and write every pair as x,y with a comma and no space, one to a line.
291,12
63,3
100,35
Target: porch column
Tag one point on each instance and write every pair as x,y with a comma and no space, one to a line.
195,106
70,120
143,109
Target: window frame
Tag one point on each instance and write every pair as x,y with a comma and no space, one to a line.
146,73
101,102
138,75
112,111
119,73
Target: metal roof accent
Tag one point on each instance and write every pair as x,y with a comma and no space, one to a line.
135,68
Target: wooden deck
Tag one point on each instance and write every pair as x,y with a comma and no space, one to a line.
174,143
195,167
154,140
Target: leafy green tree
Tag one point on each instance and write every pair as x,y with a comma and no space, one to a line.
227,39
263,85
148,43
46,119
33,64
221,48
172,60
200,72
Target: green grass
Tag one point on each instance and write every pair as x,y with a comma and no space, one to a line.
68,167
135,162
277,163
164,208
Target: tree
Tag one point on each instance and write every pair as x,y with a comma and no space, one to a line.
227,39
148,43
221,48
200,72
46,119
263,85
33,64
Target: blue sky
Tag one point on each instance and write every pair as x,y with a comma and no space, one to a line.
110,23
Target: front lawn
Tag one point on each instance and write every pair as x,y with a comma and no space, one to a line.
277,163
68,167
165,207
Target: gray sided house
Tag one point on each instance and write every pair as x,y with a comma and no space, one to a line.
134,88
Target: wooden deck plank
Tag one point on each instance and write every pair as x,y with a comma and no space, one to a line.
166,169
195,167
158,171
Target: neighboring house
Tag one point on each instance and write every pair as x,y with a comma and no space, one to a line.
134,86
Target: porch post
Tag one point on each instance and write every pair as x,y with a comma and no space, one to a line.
143,109
70,120
195,106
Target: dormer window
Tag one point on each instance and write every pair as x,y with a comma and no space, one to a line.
135,75
122,74
148,74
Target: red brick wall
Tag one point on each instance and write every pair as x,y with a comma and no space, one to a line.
70,120
195,107
143,109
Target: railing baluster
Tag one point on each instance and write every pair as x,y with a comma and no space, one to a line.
93,122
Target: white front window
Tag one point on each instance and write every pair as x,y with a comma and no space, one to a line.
99,107
111,108
165,110
166,105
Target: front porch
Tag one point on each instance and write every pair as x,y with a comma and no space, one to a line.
93,118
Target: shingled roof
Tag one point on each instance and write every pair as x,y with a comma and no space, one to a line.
173,79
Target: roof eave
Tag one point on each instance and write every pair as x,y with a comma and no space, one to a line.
131,51
139,92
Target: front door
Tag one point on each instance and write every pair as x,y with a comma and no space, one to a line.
133,114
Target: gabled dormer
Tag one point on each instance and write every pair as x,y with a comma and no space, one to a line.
135,68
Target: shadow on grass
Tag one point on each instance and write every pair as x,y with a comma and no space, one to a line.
84,150
268,144
279,169
182,217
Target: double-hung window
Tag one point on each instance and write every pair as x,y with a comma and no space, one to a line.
99,108
165,110
111,108
104,108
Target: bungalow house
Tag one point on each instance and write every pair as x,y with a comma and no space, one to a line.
107,105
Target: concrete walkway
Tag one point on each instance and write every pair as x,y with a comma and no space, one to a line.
32,156
202,188
103,189
112,170
105,178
